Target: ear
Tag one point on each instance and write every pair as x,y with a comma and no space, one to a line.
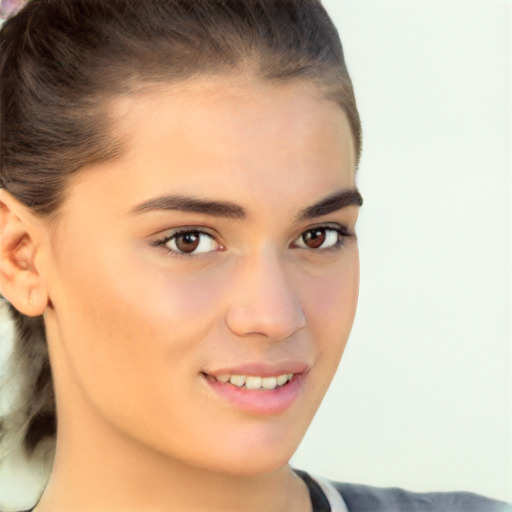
20,280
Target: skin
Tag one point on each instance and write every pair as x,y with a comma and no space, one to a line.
131,327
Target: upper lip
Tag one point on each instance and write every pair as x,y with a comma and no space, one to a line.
262,369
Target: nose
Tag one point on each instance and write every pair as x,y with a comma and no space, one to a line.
264,302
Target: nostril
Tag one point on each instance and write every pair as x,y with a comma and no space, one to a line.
280,324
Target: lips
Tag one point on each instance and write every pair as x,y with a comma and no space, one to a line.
260,388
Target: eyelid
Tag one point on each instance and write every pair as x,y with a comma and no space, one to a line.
341,229
185,228
169,234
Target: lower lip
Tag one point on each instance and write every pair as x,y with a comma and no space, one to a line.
265,402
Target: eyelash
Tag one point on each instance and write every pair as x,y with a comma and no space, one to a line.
162,242
342,231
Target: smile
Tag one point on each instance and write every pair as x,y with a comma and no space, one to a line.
259,389
254,381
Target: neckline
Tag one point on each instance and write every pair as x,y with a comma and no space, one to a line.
319,501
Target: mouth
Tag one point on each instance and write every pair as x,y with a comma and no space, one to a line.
255,382
258,390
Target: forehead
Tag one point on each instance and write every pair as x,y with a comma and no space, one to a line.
240,140
206,104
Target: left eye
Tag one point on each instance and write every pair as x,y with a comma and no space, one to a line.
319,238
191,242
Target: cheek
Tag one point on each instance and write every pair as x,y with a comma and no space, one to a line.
330,304
122,320
117,293
333,297
128,332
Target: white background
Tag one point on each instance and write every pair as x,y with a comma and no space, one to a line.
423,398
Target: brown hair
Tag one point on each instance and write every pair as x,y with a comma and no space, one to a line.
61,61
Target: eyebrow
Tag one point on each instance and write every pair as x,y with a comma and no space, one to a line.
331,204
226,209
193,205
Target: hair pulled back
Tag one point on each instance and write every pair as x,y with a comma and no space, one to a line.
62,61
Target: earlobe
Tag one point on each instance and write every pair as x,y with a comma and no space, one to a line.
20,280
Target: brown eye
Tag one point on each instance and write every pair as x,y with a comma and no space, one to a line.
320,238
314,238
188,242
191,242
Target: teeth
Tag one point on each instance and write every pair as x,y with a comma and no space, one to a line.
282,379
269,383
237,380
254,381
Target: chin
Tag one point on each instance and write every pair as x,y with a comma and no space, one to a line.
252,465
255,455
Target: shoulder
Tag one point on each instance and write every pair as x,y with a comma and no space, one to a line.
364,498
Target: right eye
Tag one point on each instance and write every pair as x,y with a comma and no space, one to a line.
188,242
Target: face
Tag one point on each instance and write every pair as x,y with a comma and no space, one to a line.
203,285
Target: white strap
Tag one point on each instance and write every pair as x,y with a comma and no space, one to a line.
332,494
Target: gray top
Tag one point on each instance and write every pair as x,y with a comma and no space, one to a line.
364,498
328,496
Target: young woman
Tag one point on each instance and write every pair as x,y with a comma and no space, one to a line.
178,247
